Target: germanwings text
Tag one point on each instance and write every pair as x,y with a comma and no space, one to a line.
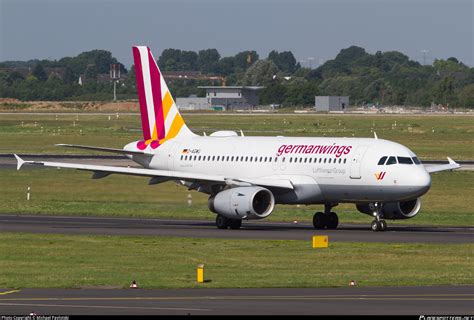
314,149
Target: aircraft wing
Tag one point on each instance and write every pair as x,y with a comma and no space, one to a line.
102,149
103,171
443,167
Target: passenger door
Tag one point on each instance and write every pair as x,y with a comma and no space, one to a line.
356,162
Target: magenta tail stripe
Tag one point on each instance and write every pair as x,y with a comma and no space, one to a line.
141,94
157,98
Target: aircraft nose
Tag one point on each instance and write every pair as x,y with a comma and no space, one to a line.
422,182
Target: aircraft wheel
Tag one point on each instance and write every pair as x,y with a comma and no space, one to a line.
222,222
235,223
383,225
333,220
319,220
375,226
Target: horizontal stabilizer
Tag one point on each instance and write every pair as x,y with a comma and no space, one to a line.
113,150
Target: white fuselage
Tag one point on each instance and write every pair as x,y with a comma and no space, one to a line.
322,170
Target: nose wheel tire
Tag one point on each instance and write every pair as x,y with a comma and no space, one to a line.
378,225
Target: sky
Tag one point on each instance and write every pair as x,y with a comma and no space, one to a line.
314,31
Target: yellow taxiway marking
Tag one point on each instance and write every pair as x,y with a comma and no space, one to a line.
8,292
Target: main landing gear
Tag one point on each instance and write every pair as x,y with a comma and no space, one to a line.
224,223
378,224
328,219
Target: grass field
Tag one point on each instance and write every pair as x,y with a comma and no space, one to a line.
431,137
71,192
39,261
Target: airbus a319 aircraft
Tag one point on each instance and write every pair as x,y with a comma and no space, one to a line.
246,176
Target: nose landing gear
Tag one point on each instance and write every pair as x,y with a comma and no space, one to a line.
328,219
378,224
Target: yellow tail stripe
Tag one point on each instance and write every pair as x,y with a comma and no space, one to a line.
167,103
176,126
154,135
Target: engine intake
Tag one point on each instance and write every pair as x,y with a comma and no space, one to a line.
394,210
243,203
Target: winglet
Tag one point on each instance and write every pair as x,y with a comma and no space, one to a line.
375,135
451,161
19,163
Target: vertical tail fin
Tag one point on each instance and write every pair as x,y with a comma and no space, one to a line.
161,120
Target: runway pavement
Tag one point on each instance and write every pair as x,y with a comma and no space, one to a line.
443,300
249,230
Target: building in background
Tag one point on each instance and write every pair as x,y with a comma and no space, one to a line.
232,97
331,103
192,102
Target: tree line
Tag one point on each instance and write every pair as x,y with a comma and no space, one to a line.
383,78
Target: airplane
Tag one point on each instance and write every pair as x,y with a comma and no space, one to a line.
246,176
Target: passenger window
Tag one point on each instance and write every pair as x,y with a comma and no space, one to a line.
416,161
320,159
283,159
404,160
340,160
324,160
382,161
391,160
246,159
345,160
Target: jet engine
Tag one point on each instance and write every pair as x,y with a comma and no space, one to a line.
243,203
394,210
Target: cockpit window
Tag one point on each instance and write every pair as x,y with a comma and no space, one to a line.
416,161
382,161
404,160
391,160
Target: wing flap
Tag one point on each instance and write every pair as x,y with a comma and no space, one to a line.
103,171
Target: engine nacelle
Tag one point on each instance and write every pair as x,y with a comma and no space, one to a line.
394,210
243,203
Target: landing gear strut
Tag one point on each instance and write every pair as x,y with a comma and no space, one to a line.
328,219
378,224
224,223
